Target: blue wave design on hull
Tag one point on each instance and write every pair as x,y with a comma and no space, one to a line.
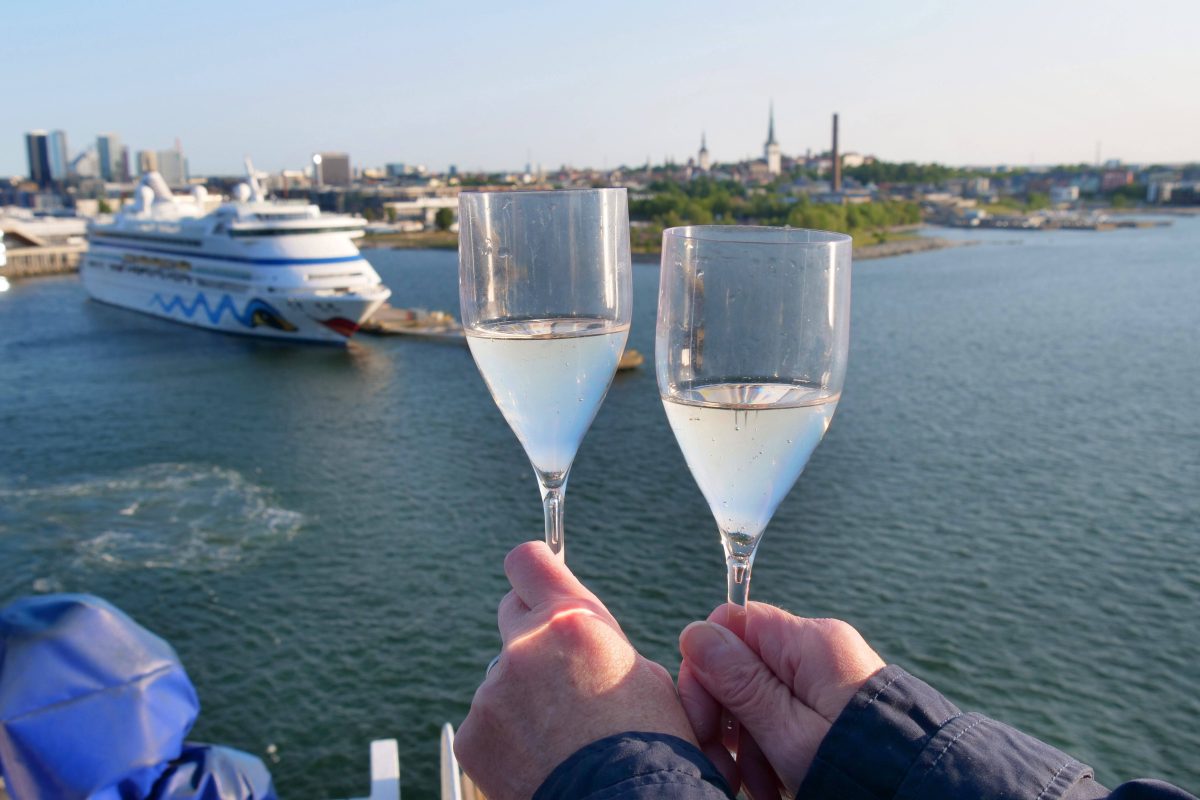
256,313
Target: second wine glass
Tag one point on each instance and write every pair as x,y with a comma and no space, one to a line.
545,288
751,347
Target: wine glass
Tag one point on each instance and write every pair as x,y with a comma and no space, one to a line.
750,352
545,288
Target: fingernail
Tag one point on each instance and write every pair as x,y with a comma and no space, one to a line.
704,643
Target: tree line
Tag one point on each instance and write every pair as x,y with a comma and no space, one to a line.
706,201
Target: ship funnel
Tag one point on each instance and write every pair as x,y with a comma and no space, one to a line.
256,192
145,198
158,185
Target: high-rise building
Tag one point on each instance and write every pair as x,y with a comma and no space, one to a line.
173,166
702,160
771,149
108,151
60,162
147,161
37,149
125,167
85,164
332,169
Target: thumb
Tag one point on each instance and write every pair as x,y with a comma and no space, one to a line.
735,677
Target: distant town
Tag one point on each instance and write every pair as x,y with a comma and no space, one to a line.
830,188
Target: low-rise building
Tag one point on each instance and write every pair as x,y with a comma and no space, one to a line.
421,210
1115,179
1063,195
851,160
41,245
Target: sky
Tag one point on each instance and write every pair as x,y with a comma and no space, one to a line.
492,86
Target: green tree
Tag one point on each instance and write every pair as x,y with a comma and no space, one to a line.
443,219
391,214
103,207
1036,201
1128,195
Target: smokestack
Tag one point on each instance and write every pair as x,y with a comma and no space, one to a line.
837,159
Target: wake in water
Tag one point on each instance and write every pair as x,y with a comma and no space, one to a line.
162,516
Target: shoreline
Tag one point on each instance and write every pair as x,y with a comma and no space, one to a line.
424,240
1153,211
445,240
923,244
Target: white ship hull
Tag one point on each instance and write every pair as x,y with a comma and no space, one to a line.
247,310
251,266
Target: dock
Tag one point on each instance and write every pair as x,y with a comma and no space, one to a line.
439,326
419,323
1047,221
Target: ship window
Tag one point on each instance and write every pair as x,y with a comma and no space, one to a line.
145,237
225,273
316,276
289,231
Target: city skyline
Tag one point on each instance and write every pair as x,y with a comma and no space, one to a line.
1018,85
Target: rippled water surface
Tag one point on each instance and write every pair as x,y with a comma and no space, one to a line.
1008,502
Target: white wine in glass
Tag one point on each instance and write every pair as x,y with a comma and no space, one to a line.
545,289
750,354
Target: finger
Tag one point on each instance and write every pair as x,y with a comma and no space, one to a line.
720,615
703,712
510,617
538,576
824,661
739,681
758,777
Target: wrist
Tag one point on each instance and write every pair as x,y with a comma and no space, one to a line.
631,758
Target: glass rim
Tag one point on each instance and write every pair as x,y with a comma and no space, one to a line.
756,234
512,192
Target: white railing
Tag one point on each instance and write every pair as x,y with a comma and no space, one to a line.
385,771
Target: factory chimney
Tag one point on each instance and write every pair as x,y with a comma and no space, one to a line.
837,159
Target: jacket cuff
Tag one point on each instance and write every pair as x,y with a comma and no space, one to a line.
636,765
899,739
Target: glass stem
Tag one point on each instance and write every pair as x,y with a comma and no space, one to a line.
553,501
739,559
738,592
739,580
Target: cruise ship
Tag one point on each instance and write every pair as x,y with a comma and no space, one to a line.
251,266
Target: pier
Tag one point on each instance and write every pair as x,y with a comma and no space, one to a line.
419,323
30,254
440,326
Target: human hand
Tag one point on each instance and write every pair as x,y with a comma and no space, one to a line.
786,683
567,676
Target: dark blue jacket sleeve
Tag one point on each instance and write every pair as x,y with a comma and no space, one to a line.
898,739
636,766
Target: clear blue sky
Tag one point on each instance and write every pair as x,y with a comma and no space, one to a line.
486,85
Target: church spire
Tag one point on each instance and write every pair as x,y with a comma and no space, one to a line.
771,152
703,161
